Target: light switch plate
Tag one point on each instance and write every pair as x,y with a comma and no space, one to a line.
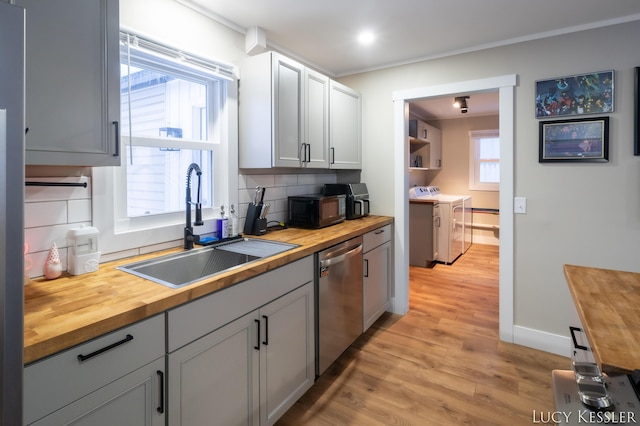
520,205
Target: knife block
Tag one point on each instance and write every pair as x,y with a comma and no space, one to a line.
253,225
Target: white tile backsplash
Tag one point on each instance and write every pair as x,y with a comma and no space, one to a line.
50,211
45,213
278,188
79,211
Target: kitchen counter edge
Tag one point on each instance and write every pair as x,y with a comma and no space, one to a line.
607,303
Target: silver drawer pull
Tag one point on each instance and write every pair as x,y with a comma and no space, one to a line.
83,358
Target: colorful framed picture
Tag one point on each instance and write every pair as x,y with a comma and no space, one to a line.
575,95
577,140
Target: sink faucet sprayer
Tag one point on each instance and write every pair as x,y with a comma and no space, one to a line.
189,236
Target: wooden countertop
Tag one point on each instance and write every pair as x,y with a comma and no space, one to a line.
70,310
608,303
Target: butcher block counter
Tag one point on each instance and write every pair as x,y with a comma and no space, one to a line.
608,303
70,310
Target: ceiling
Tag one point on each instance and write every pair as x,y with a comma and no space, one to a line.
323,34
441,108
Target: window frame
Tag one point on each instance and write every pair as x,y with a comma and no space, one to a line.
119,232
475,137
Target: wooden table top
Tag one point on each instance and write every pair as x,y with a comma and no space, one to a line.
64,312
608,303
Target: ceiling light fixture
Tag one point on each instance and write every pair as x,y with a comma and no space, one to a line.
461,102
366,37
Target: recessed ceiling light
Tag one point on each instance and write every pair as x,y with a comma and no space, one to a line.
366,37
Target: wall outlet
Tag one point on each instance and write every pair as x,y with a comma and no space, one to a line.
520,205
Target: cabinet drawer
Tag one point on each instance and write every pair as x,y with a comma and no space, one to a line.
56,381
375,238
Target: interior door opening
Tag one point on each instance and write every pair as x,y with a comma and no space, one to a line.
455,127
505,85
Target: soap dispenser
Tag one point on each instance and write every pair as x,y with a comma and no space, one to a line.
84,256
222,225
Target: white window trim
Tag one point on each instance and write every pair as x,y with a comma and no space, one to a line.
162,229
166,229
474,173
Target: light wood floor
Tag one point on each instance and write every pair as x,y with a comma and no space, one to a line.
441,364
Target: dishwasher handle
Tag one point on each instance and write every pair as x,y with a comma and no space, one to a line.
341,258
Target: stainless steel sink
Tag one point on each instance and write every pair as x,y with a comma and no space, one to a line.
184,268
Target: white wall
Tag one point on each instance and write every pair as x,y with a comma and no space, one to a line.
586,214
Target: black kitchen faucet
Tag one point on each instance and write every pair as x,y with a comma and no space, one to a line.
189,236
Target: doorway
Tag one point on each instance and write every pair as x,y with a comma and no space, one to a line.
505,86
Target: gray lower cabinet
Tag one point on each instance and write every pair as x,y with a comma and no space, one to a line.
376,275
243,356
131,400
116,379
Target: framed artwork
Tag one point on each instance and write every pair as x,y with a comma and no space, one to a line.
636,113
576,140
575,95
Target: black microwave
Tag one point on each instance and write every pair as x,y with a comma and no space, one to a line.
316,210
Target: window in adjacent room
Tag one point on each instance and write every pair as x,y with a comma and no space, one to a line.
484,160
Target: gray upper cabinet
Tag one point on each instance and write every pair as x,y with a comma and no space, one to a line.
284,114
316,119
72,82
286,118
345,126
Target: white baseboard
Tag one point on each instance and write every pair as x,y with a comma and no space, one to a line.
541,340
485,239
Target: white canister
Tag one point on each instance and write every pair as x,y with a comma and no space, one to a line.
84,256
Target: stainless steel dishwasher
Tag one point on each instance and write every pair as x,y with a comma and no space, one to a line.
339,299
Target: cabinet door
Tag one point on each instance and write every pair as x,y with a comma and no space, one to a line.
435,148
375,291
316,129
424,131
214,380
72,82
287,111
345,128
287,352
136,399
